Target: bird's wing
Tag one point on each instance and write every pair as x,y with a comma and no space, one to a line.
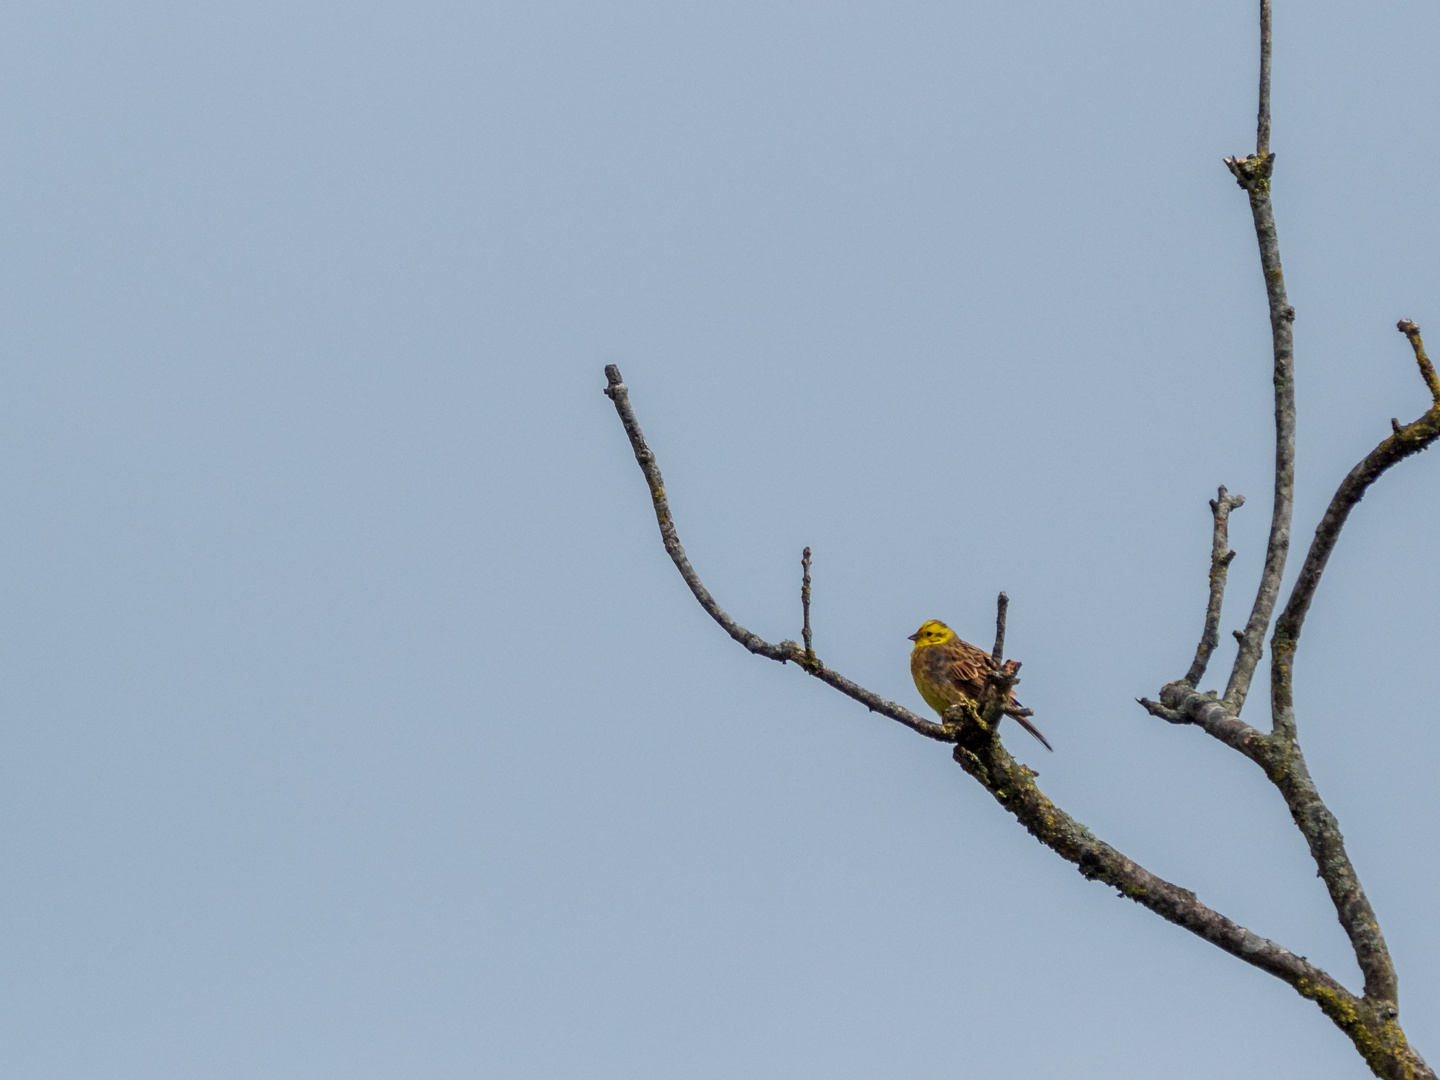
967,668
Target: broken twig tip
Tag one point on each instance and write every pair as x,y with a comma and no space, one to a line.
1002,605
1427,369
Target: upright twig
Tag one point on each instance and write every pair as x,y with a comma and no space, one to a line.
1253,173
1002,605
805,607
1262,124
1427,369
1220,558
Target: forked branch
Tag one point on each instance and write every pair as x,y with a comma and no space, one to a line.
1288,770
1374,1024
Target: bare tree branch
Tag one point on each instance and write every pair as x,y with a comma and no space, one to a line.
1427,369
1371,1021
980,752
1409,439
1371,1024
1314,819
1181,703
810,660
1220,559
1327,846
1013,786
1262,123
1379,1038
617,392
1253,174
1002,605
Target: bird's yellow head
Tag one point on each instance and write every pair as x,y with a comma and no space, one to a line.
932,632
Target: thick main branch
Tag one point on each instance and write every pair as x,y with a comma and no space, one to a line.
1013,786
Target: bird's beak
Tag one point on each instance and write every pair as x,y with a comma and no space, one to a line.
914,637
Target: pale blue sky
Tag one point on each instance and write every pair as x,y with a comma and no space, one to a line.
353,722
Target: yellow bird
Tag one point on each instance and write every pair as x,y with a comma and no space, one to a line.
948,671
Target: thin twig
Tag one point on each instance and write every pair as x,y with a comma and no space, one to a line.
1171,716
618,393
1262,125
1220,559
805,607
1002,605
1427,369
1181,703
1253,174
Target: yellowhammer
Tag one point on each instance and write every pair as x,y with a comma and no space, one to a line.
948,671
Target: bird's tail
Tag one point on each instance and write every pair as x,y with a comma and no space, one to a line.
1031,728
